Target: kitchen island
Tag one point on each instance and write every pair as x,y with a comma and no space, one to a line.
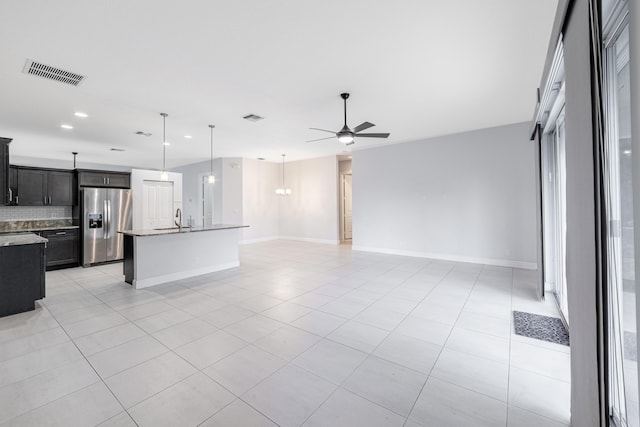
153,257
22,278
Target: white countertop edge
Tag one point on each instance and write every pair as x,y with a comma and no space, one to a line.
175,230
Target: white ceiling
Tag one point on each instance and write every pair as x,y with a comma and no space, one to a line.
415,68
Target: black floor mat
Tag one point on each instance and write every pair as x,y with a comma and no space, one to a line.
543,328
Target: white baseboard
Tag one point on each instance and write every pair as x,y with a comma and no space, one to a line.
157,280
258,240
448,257
306,239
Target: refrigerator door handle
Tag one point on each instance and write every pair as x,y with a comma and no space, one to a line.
109,206
108,219
105,208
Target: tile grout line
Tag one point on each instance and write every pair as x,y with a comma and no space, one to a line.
97,375
448,336
338,386
510,333
343,269
94,370
138,364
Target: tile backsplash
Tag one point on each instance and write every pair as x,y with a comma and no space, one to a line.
9,213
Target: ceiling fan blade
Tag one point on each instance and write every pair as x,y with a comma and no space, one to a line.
372,135
362,126
321,139
323,130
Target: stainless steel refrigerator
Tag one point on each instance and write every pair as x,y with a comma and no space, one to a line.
105,211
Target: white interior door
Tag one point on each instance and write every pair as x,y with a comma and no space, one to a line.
157,199
346,206
207,201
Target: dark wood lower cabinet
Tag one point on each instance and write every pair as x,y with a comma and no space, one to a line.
23,278
62,248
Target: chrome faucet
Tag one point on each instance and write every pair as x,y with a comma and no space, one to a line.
178,222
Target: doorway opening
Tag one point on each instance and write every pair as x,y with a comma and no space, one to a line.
345,194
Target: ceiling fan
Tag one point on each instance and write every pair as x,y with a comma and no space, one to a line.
346,135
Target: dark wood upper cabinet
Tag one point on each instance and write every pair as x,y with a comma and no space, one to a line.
13,185
60,188
40,187
4,171
93,178
32,187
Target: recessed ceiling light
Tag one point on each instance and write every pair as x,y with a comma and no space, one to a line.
66,126
81,114
188,136
167,143
627,151
143,133
117,149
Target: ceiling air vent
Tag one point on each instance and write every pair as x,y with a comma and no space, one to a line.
52,73
253,117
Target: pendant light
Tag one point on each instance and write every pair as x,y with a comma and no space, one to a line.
164,175
283,191
212,178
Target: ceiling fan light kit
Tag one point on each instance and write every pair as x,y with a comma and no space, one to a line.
346,135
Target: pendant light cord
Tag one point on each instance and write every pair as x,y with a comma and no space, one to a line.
211,165
164,141
283,188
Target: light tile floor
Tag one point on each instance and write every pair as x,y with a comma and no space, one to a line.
300,334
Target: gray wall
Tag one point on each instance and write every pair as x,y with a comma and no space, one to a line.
227,203
580,217
468,196
191,186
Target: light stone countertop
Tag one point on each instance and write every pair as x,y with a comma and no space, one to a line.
15,239
17,226
27,230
